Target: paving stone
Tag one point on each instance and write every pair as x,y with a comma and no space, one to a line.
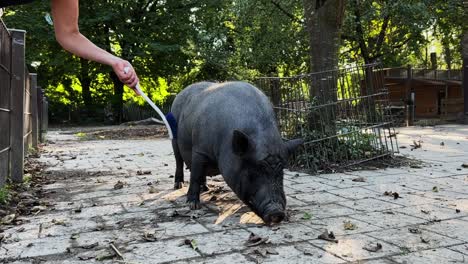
431,212
454,228
222,259
320,211
158,252
176,229
355,193
461,249
319,198
35,248
293,202
300,253
223,226
388,219
375,261
403,238
370,205
285,233
310,187
351,247
341,225
408,199
221,242
440,255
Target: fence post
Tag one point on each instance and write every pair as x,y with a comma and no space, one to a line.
45,118
17,102
465,86
410,97
34,110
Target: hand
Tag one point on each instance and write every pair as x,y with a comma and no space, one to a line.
128,77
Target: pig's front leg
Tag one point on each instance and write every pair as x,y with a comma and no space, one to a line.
197,174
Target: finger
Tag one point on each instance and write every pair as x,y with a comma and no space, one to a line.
125,77
131,81
134,83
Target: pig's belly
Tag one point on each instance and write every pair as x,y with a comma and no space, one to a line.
211,169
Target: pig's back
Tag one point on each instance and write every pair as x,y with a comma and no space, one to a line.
208,113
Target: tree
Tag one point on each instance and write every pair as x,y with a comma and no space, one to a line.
324,20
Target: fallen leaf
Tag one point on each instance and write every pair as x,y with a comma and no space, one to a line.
150,237
372,247
271,251
152,190
118,185
359,179
90,246
8,219
260,251
349,226
255,240
328,236
306,216
147,172
86,256
394,194
38,208
414,230
58,222
190,242
435,189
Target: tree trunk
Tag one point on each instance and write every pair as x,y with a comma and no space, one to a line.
464,45
323,23
324,19
117,99
85,84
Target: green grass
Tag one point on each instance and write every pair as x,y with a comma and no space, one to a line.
81,136
4,195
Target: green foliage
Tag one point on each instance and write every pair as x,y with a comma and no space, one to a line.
4,195
172,44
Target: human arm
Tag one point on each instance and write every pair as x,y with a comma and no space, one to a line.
67,33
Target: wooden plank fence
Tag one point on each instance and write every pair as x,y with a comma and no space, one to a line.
23,107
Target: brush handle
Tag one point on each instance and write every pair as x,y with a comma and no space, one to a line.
153,105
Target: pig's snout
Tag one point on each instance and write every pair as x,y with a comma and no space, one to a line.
274,214
275,217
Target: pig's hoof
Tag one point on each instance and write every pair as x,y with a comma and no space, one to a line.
204,188
194,205
178,185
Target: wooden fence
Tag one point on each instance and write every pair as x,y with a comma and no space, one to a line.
23,107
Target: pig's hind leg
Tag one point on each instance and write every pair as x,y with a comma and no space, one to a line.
179,174
197,178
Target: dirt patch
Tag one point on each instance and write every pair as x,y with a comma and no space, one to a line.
122,133
395,161
23,199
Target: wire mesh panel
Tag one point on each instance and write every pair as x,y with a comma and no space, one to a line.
343,116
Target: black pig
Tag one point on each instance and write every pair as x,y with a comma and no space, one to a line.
230,129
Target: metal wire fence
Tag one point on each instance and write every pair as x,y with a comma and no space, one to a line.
343,116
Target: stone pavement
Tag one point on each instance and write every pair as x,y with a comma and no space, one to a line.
120,192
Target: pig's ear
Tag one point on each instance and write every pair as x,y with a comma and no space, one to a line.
292,145
240,143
